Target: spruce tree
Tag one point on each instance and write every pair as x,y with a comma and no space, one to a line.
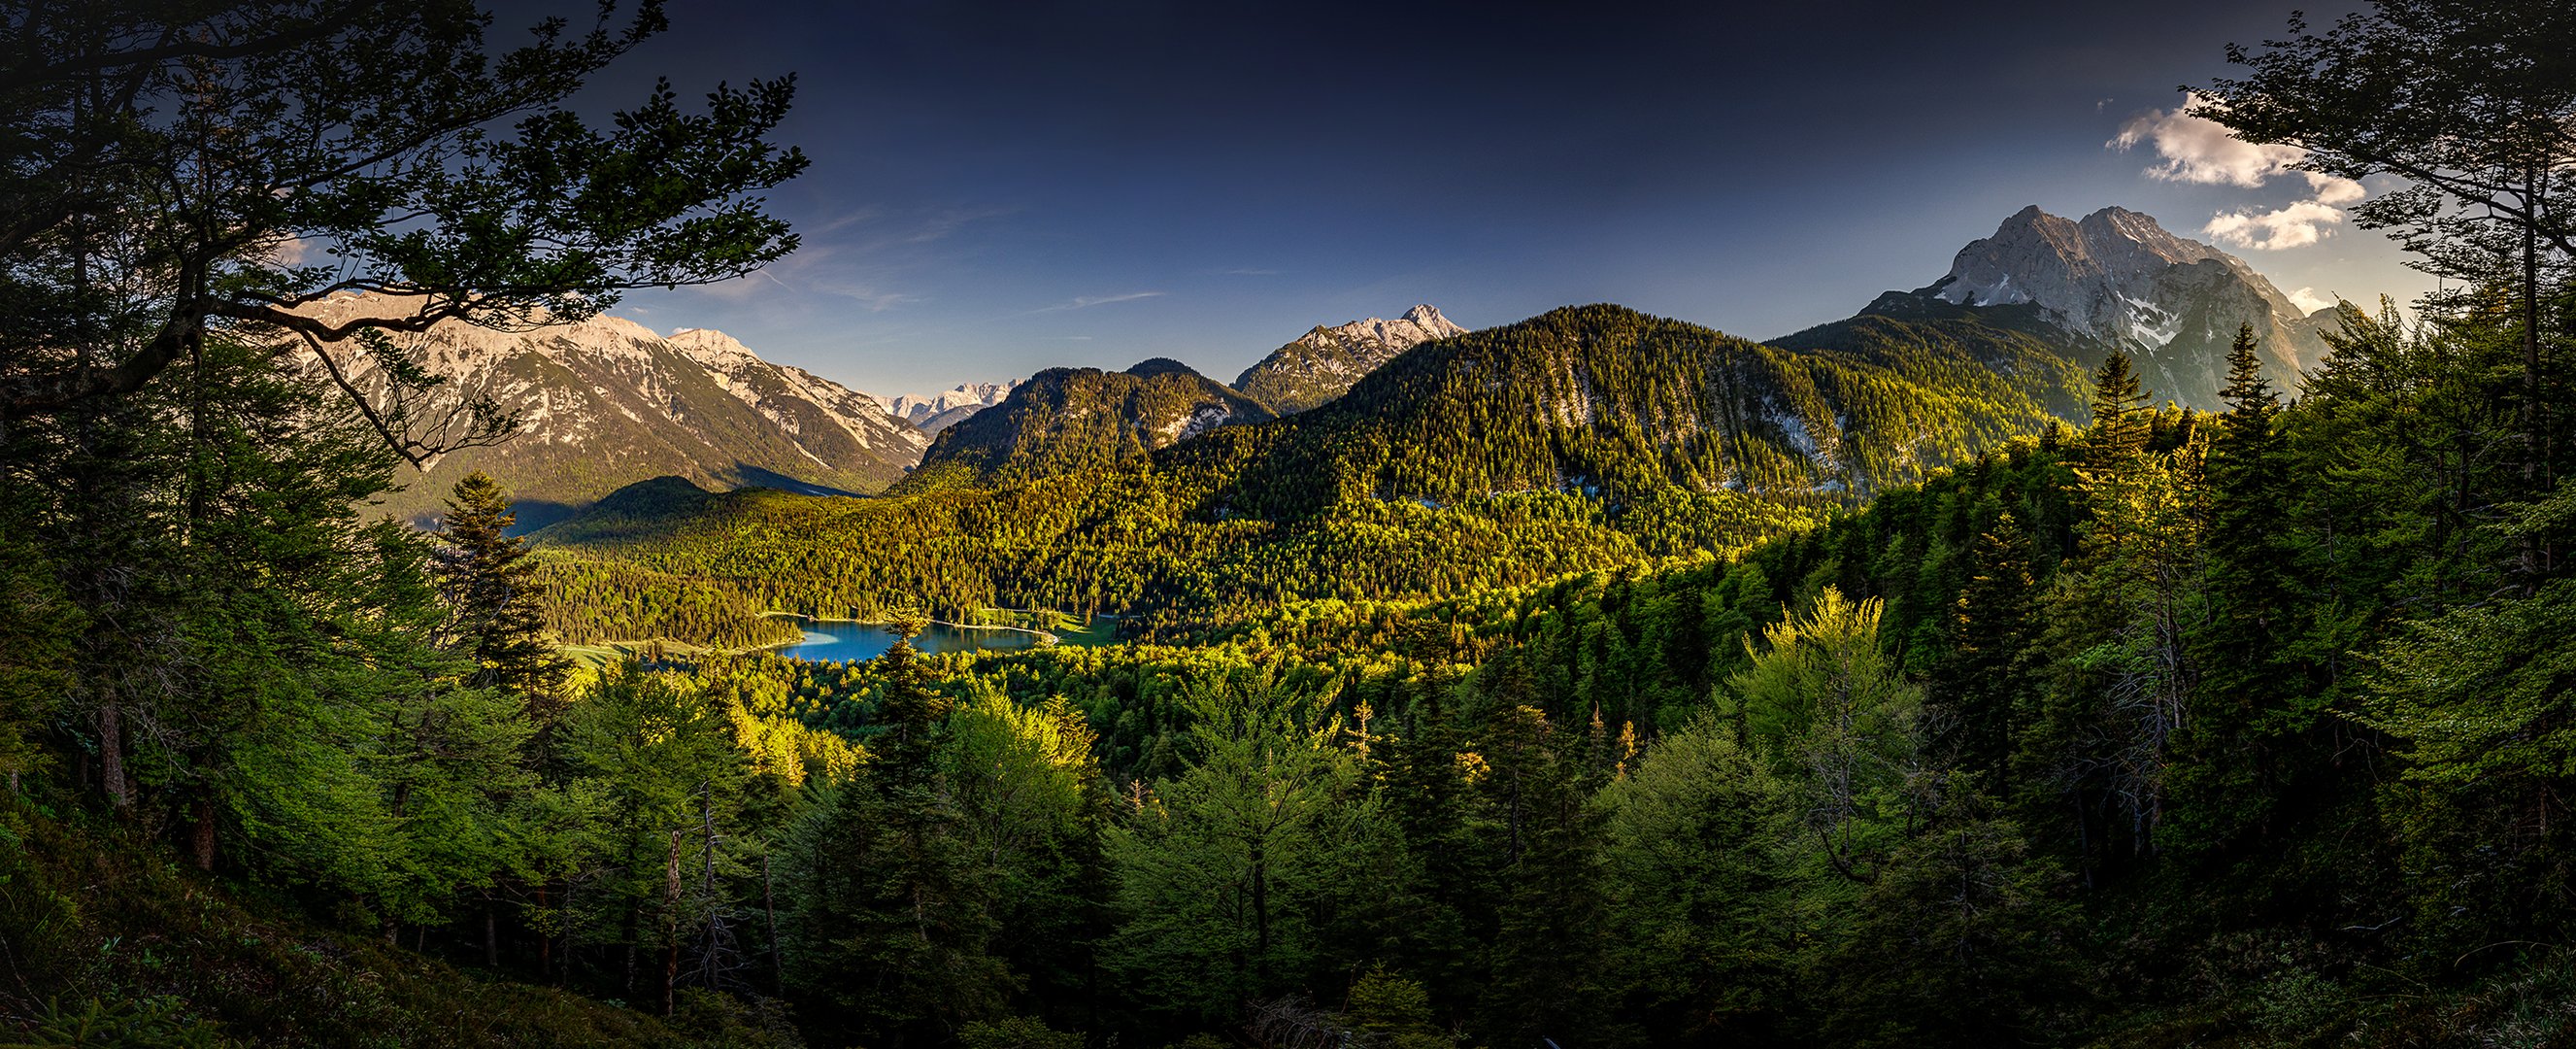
484,573
2247,702
893,918
2119,430
1983,681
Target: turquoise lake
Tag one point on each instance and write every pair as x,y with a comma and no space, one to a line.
838,642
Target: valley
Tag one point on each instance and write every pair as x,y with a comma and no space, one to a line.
1589,438
420,625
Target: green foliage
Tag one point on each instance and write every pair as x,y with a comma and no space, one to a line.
434,164
1227,871
152,1023
1018,1032
1076,421
484,576
893,905
107,936
1556,683
1699,850
1825,704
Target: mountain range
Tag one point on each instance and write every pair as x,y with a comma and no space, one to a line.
1604,400
607,402
944,409
2000,342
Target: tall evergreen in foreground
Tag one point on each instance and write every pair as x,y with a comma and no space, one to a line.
891,916
498,611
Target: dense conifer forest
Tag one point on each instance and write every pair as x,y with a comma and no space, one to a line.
2012,708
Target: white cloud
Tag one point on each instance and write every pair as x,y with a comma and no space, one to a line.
2308,301
2334,189
2296,226
293,251
2204,152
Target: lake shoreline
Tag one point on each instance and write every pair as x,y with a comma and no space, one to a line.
1044,637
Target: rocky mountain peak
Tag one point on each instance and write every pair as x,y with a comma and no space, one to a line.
2117,279
1327,360
607,401
710,347
2038,257
1415,326
1428,317
944,409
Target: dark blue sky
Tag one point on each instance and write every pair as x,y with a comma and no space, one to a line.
999,188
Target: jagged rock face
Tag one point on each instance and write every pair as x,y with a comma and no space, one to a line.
1065,420
942,410
607,402
2117,280
1324,363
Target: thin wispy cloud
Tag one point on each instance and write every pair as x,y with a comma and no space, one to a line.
841,222
939,224
1247,273
866,255
1084,302
2200,151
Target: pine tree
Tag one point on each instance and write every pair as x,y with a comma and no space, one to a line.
2248,699
1549,947
892,912
1985,678
488,581
2119,432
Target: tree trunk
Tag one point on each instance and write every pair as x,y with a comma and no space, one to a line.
201,835
491,936
2535,460
545,940
671,931
1260,919
111,758
769,903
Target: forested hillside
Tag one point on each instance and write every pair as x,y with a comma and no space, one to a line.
1071,420
1587,438
1598,680
1605,400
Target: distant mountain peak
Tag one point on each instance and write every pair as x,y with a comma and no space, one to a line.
1324,362
945,409
2117,279
707,344
607,401
2038,257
